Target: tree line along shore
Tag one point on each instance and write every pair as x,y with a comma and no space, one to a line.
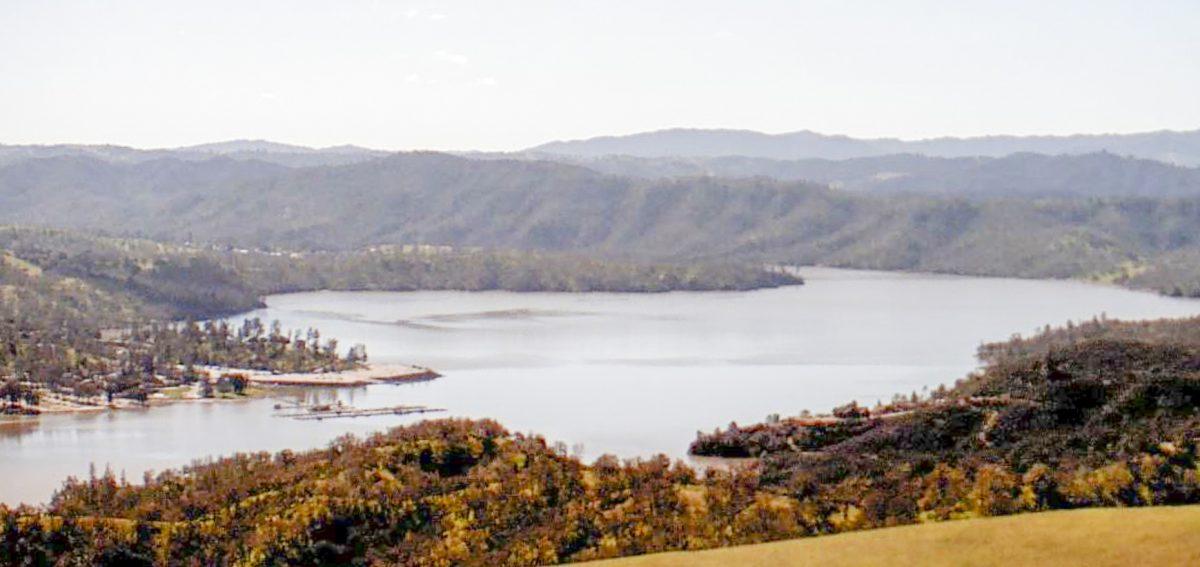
131,280
72,371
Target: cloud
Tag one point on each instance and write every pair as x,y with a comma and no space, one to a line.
268,96
411,13
723,34
485,82
455,58
436,17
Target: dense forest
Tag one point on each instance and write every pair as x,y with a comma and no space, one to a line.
1025,216
1102,414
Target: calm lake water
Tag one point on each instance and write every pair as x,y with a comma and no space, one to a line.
627,374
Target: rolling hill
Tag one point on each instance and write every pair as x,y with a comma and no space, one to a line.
62,275
1100,174
1084,538
432,198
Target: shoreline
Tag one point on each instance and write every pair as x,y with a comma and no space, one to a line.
369,374
260,380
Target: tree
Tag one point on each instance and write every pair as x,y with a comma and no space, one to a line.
139,395
12,390
238,382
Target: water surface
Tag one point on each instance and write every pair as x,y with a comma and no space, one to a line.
629,374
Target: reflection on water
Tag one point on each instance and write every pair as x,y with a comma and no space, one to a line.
17,426
622,373
510,314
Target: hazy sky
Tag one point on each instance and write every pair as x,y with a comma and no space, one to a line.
510,74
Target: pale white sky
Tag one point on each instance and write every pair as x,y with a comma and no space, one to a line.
502,75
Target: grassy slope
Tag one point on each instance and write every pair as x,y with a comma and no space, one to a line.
1093,537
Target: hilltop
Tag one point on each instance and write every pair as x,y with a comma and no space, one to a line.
1026,175
1181,147
242,150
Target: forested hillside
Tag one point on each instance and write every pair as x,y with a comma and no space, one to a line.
84,340
118,281
1099,415
1016,175
438,199
1080,395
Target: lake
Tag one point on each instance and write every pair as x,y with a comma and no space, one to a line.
629,374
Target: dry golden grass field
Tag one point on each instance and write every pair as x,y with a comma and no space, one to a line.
1092,538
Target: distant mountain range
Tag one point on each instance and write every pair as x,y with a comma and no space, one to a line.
259,150
1182,148
1017,175
1024,174
708,151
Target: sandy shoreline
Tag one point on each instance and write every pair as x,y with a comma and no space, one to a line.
370,374
51,404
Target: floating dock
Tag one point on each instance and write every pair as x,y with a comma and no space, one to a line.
333,412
